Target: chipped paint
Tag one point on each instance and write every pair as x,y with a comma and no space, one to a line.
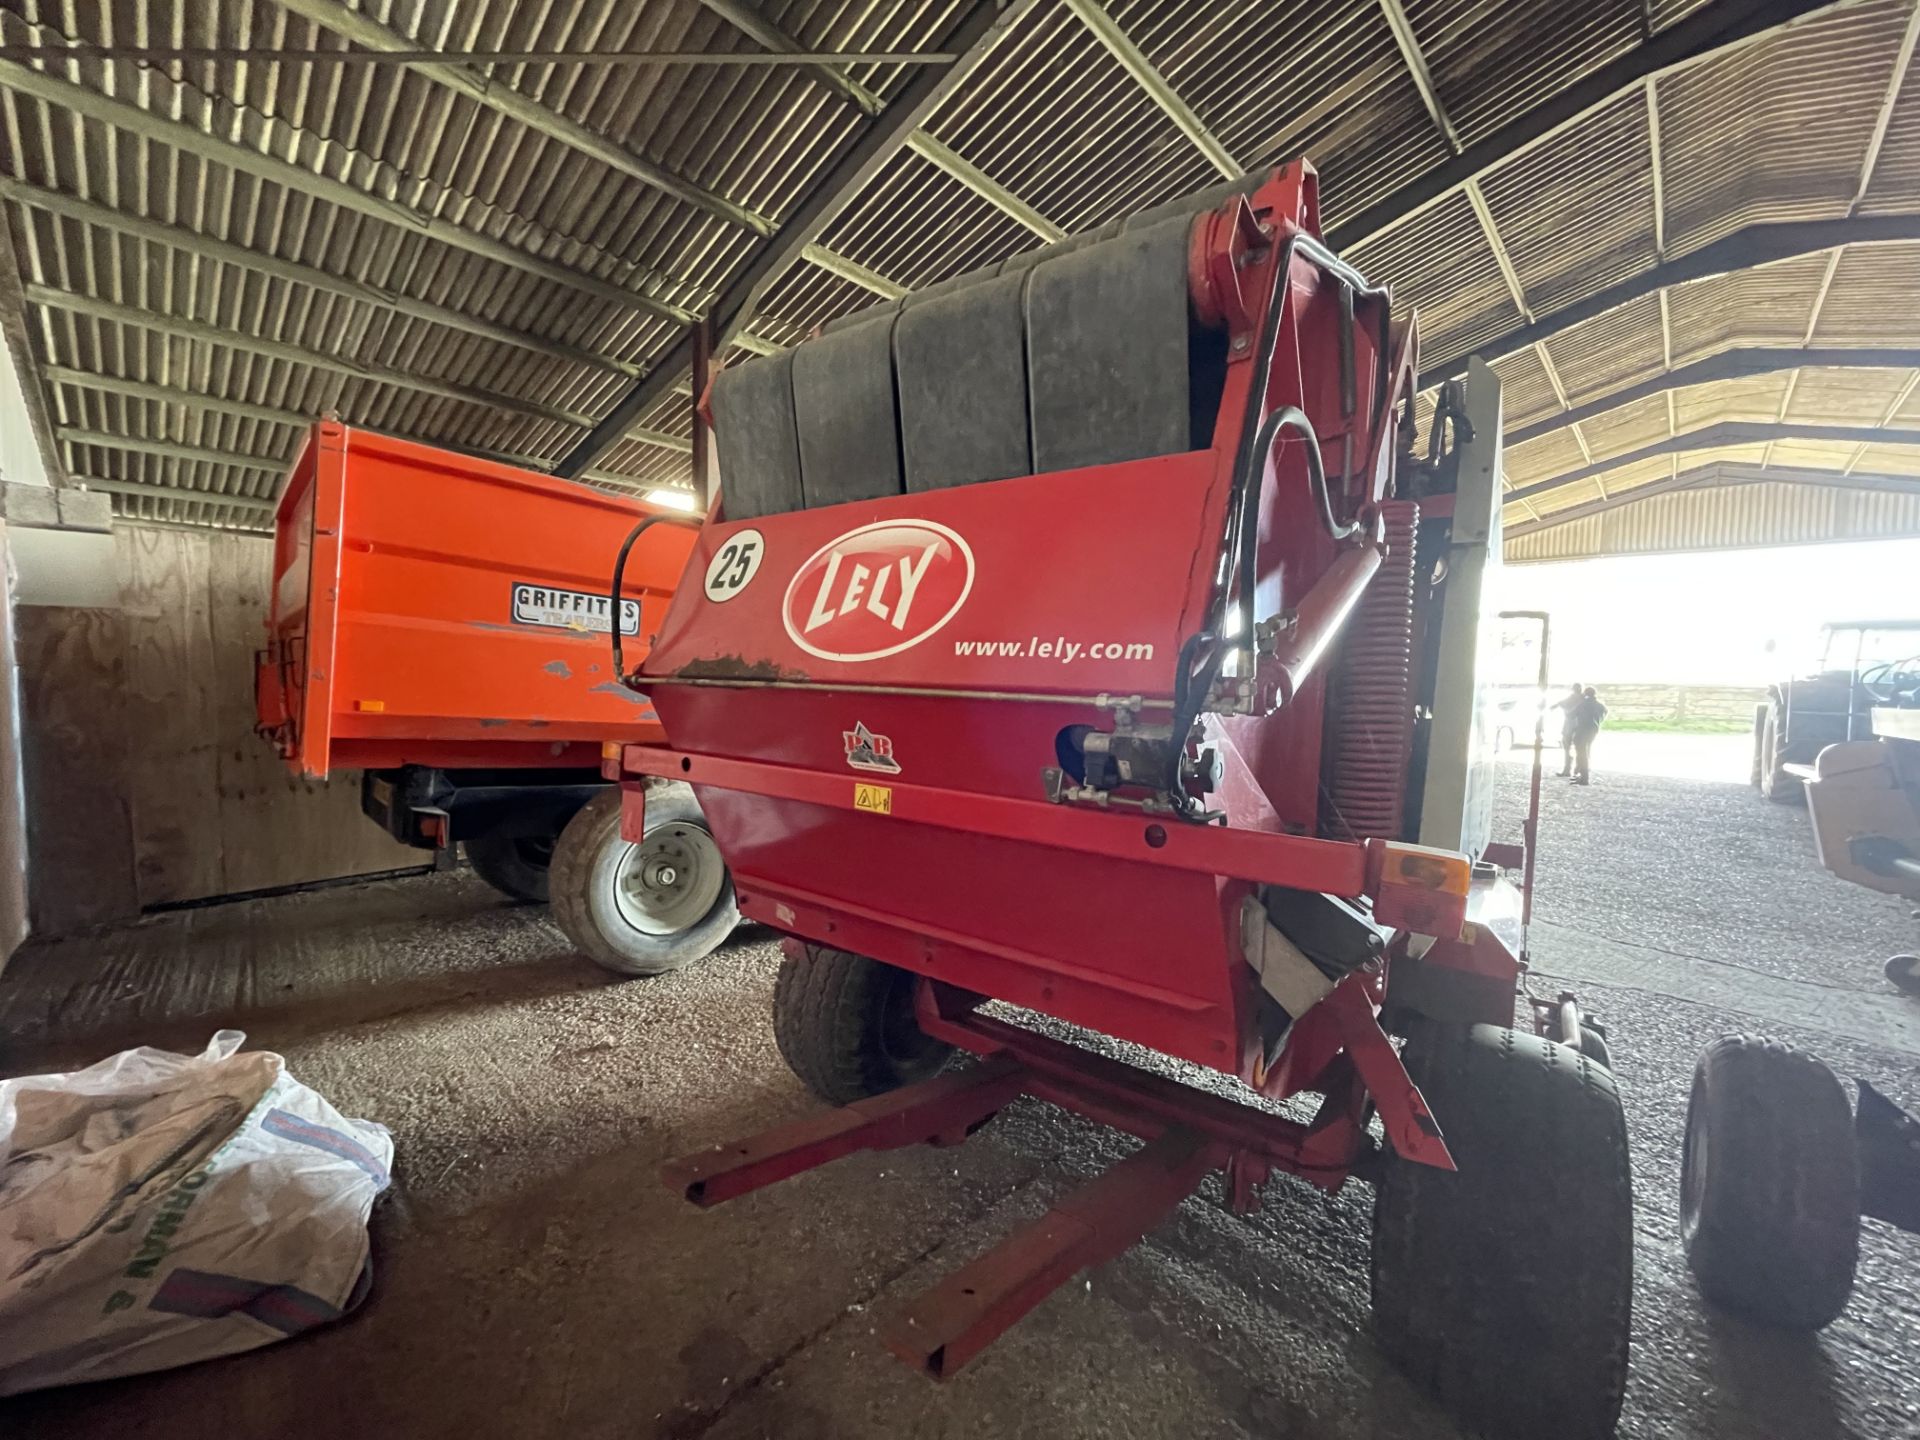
495,625
614,687
558,667
494,724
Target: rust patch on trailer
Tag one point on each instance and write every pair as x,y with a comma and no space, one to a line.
737,667
559,668
486,724
496,625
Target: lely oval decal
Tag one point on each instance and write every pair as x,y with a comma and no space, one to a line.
878,590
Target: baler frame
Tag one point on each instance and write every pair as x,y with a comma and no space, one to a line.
1397,878
1188,1133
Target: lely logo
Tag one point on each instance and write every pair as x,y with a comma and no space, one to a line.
878,590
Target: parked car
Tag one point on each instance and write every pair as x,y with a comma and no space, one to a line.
1517,711
1862,663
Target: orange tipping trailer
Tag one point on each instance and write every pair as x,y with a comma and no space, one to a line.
430,608
443,624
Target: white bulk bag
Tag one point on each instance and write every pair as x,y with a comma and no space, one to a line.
157,1209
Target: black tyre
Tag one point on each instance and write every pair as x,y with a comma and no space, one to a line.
515,865
1594,1046
1770,1184
649,908
1776,784
1761,715
1592,1042
1903,972
1506,1289
846,1027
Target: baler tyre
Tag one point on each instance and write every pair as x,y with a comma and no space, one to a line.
649,908
845,1025
1505,1289
1770,1184
518,866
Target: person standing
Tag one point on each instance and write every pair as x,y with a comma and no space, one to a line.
1572,701
1586,719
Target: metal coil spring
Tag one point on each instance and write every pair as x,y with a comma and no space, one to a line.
1370,714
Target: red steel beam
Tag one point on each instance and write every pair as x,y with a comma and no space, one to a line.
972,1307
1115,1093
1331,867
940,1110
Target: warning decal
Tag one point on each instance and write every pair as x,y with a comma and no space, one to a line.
580,610
874,799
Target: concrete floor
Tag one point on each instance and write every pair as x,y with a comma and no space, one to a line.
534,1278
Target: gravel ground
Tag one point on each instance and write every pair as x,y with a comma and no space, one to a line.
1706,870
535,1279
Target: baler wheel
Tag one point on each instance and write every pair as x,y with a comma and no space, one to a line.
1770,1184
1506,1289
846,1027
649,908
515,865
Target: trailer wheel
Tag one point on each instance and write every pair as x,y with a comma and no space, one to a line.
845,1026
1770,1184
649,908
515,865
1505,1289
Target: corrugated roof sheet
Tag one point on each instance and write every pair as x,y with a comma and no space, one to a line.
1743,515
270,239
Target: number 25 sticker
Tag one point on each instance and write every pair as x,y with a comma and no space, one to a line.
737,562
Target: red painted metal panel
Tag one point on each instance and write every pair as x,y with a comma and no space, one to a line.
937,588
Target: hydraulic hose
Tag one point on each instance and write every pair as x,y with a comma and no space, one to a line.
646,523
1201,654
1287,417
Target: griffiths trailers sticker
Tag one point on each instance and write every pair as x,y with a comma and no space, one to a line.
580,610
